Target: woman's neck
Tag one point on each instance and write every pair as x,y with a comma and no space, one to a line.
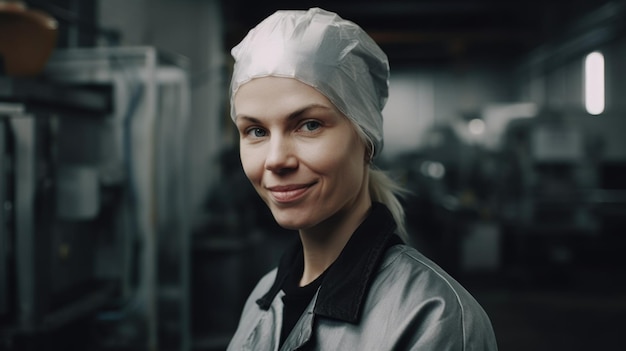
323,243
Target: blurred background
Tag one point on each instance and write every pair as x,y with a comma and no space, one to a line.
126,222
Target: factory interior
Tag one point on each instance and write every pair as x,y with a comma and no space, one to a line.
127,223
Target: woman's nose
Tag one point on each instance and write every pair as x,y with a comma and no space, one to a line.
280,156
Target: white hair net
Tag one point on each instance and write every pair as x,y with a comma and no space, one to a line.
333,55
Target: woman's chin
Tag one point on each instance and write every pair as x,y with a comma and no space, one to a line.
290,219
289,224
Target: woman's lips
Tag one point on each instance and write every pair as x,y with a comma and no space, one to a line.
288,193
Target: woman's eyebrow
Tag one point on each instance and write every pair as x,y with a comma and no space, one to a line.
306,109
248,118
293,115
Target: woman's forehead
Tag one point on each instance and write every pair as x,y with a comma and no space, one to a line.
278,96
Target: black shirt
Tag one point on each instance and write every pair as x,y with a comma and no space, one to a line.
296,298
344,287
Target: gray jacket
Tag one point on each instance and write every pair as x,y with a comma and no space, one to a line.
377,296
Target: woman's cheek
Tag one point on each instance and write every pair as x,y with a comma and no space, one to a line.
327,155
252,164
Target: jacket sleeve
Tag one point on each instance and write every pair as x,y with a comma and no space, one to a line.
251,313
440,325
437,313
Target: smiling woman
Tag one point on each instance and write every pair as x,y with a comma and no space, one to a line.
307,93
299,155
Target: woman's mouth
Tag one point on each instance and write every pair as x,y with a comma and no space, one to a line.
288,193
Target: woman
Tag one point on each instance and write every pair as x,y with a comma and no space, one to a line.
307,93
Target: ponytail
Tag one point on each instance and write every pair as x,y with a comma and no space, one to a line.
382,188
385,190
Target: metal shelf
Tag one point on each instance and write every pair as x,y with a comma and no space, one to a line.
36,96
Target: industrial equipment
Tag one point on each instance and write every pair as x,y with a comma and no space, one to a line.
94,222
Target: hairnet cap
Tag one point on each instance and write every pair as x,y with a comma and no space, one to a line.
319,48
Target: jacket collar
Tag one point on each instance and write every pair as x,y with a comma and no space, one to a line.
345,286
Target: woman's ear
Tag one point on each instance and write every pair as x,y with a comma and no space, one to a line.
369,152
367,155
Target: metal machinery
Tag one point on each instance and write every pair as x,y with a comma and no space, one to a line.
559,203
94,219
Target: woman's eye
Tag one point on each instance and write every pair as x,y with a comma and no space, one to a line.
311,126
256,132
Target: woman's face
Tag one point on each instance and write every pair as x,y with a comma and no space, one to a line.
303,156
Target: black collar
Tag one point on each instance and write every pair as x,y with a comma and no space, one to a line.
344,288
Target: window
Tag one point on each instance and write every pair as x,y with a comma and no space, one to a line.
594,83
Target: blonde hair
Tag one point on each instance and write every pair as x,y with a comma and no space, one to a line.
383,188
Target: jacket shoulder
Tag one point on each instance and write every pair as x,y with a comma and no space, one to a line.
417,270
263,285
430,296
